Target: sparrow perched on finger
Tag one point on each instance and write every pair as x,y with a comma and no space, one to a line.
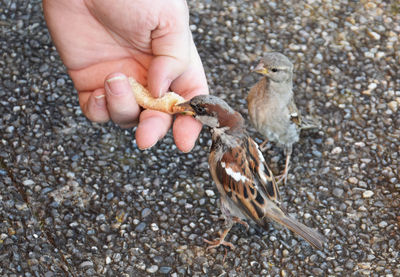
271,106
245,183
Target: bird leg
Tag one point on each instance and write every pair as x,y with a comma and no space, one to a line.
238,220
283,176
263,146
220,241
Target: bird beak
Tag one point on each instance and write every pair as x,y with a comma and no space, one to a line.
261,69
185,108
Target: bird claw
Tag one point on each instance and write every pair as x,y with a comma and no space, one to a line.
244,223
280,178
218,242
283,177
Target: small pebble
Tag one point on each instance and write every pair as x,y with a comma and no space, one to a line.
338,192
10,129
165,269
318,272
108,260
368,194
152,269
383,224
372,86
353,180
140,228
28,183
336,150
360,144
145,212
210,193
86,264
374,35
154,227
393,105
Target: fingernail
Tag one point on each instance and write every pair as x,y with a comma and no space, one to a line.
165,87
100,99
116,85
147,147
187,151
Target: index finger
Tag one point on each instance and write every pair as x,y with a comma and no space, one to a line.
191,83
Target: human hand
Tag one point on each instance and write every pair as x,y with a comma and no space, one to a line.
101,42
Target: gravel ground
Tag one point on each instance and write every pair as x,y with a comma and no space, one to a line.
80,199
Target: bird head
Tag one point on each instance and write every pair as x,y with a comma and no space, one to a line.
213,112
276,67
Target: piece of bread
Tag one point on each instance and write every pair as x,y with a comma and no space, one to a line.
167,103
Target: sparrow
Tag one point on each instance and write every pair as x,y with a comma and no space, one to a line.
271,106
247,187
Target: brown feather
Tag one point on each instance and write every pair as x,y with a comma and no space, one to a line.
249,189
294,113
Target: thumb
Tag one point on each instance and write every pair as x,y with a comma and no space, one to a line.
171,42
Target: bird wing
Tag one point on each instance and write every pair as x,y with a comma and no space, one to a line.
261,171
246,180
294,113
303,123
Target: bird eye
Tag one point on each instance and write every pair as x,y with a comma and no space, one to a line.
274,70
200,110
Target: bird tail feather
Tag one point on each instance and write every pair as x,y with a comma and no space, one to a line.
310,123
312,236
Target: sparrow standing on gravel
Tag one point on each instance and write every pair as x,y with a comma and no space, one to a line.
271,106
246,185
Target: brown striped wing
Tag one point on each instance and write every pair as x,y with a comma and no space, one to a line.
295,116
243,181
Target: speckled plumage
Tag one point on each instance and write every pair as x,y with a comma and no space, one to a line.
271,106
270,113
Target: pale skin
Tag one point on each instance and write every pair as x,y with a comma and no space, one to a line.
101,42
